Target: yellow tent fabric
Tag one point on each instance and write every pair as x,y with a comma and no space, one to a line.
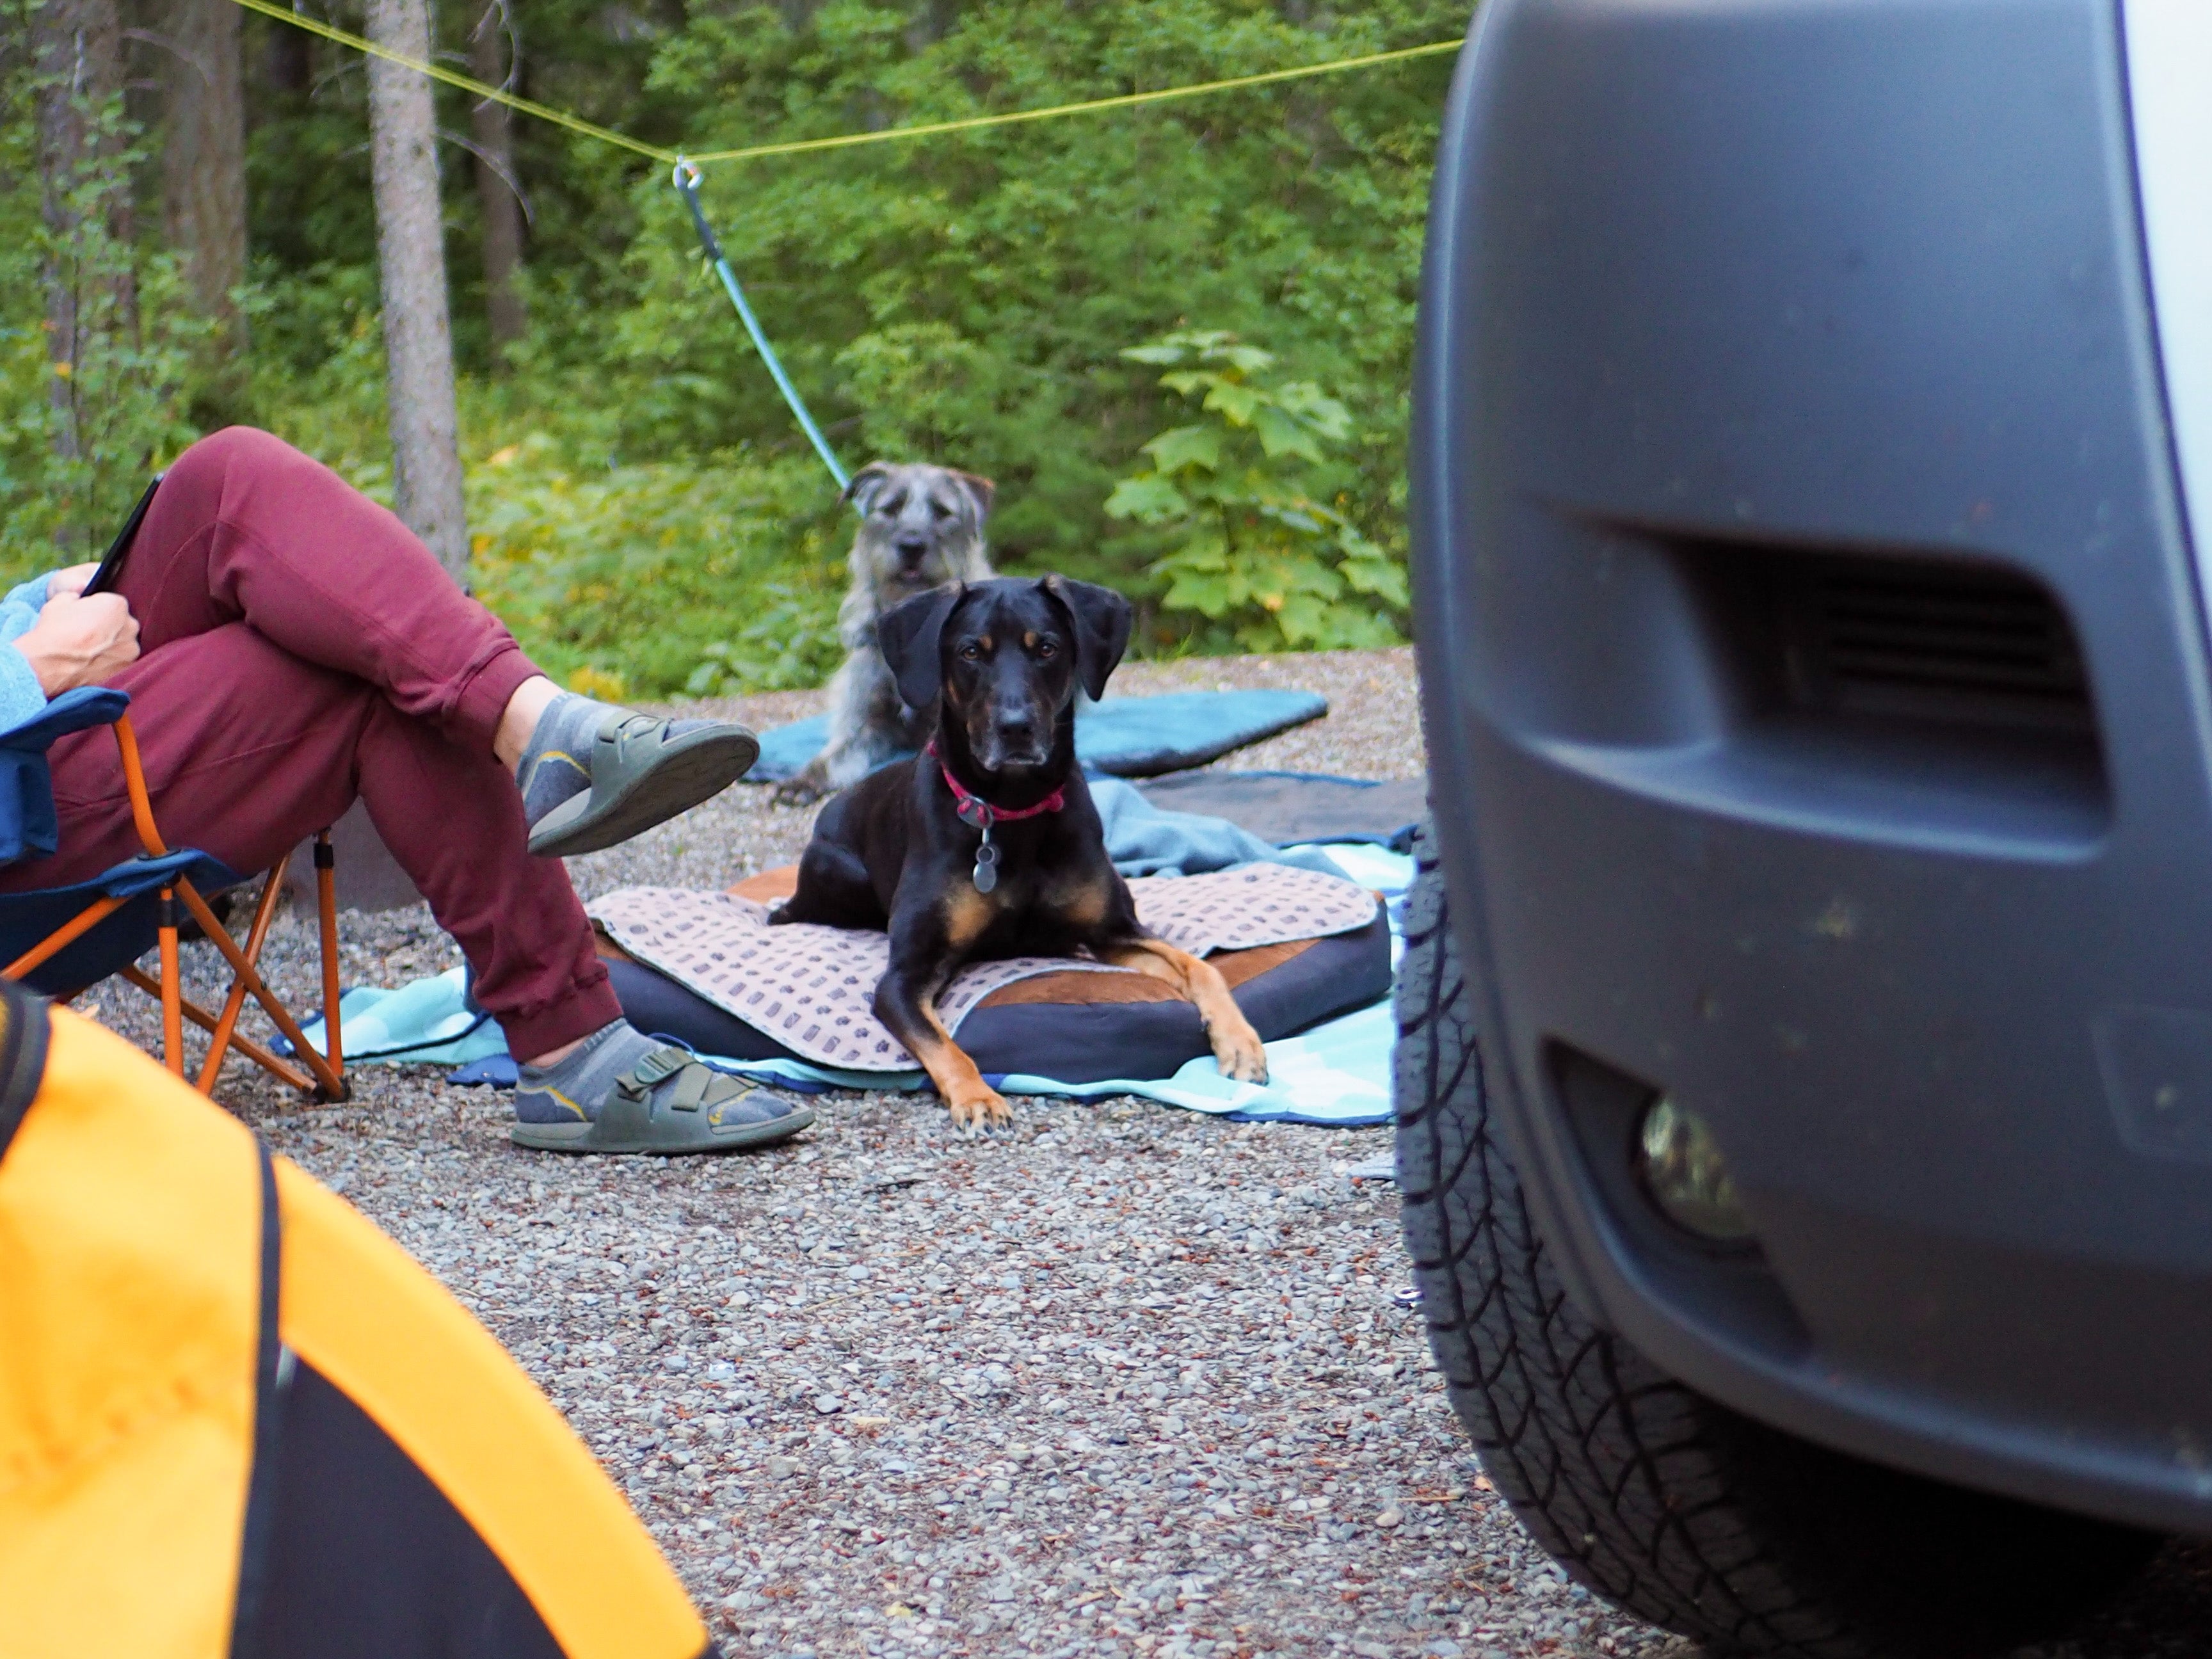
127,1328
236,1420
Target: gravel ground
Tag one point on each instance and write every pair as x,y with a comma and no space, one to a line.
1126,1381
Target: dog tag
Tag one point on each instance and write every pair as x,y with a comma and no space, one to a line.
986,864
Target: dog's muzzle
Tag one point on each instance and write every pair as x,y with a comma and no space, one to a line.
1016,743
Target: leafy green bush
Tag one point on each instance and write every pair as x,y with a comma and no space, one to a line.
791,644
1253,548
649,580
712,574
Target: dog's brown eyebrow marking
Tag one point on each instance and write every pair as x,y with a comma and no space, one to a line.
1029,640
984,642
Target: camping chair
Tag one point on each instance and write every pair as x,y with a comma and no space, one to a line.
62,940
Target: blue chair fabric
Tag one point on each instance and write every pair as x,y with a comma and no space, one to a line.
117,939
30,829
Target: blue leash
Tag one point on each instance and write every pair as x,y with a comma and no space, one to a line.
686,180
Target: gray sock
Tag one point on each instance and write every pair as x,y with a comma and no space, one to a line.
558,762
573,1088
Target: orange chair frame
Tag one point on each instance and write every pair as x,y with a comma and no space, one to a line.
324,1073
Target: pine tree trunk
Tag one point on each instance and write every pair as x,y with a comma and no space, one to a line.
77,57
497,188
203,160
418,337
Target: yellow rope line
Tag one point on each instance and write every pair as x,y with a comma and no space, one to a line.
605,135
436,72
1125,102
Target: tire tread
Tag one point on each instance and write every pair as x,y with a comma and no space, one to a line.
1647,1492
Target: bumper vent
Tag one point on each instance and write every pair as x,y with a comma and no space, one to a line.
1905,695
1918,641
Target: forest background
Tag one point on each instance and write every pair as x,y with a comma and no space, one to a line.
1178,336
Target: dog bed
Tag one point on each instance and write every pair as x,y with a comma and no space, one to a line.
1295,946
1127,737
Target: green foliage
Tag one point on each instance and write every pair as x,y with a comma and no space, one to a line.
657,517
963,299
791,643
634,575
317,369
1251,547
82,422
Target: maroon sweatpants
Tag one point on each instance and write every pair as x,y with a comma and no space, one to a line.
301,649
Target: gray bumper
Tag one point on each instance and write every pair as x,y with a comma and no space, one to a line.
1817,695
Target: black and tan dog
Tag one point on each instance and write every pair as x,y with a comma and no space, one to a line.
986,844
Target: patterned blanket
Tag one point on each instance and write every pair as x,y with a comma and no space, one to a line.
809,987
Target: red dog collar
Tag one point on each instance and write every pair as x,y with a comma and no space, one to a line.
978,813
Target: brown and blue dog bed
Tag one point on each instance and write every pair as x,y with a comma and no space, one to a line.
1297,948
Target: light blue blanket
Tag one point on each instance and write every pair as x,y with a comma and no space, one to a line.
427,1022
1144,839
1129,737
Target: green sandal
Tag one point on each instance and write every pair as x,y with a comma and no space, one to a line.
706,1111
644,772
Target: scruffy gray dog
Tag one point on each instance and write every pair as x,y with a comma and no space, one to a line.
921,527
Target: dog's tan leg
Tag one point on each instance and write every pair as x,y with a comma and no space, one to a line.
973,1102
1237,1050
910,1013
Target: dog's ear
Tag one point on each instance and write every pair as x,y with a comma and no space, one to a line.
1102,619
866,484
980,489
908,633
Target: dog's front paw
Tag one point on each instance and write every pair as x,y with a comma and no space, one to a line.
801,791
979,1107
1240,1054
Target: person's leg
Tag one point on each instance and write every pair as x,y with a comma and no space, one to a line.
450,814
245,528
247,750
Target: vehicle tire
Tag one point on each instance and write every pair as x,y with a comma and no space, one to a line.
1669,1506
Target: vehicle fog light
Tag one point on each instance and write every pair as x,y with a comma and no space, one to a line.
1686,1175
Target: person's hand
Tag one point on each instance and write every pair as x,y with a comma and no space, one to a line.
80,641
68,584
